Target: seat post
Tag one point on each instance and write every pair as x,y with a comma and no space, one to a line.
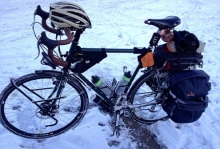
155,38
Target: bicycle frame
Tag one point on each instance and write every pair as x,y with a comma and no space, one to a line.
83,80
153,43
99,91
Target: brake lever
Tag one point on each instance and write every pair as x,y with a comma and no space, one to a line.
50,44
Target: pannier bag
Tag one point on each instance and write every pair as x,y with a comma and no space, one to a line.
183,60
189,56
186,98
87,60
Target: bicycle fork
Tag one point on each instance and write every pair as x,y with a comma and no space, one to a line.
47,106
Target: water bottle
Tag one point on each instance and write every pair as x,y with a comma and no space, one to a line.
123,82
103,105
98,82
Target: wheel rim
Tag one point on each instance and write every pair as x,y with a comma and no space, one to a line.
25,119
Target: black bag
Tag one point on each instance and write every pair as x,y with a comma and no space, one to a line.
186,41
86,59
183,60
175,60
186,95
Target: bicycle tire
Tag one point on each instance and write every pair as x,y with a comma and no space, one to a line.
139,93
20,116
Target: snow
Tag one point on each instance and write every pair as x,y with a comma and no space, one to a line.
116,24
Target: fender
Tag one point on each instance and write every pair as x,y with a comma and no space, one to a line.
54,72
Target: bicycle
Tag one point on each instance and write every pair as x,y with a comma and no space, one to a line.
47,103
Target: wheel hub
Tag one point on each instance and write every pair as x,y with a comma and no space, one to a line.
45,111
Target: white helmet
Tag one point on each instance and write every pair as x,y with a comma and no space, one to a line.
65,14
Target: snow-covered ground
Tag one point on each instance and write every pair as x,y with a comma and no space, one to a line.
116,24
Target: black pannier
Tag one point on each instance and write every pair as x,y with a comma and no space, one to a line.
186,98
176,60
183,60
86,59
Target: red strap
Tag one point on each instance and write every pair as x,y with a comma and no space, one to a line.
168,66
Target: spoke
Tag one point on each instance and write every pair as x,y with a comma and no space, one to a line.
68,103
32,91
144,100
30,119
71,92
136,98
23,124
63,116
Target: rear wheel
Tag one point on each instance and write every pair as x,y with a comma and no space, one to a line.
140,93
29,118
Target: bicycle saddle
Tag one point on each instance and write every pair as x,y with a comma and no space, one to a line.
166,23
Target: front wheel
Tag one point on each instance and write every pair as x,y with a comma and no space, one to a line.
143,91
29,117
